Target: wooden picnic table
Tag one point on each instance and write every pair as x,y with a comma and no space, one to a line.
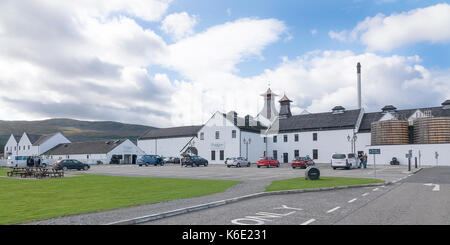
37,173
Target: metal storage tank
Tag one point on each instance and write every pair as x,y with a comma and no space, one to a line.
432,130
391,132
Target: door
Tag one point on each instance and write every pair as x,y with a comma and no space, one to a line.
285,157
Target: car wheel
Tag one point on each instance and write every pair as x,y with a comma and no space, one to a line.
238,165
64,168
86,168
258,166
278,165
228,166
249,165
334,168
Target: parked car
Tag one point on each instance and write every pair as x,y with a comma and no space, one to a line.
173,160
302,162
194,161
237,162
348,161
147,160
268,162
71,164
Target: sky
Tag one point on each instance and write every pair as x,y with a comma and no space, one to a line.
175,62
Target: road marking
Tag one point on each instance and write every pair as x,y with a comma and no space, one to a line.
436,187
365,194
332,210
308,222
376,189
352,200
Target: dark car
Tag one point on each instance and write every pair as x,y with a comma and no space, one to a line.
194,161
71,164
302,162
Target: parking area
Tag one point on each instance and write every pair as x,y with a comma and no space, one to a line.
384,172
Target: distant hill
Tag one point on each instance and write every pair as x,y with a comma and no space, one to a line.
74,130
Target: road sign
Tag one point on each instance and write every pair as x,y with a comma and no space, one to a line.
375,151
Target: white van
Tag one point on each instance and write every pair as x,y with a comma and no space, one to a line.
16,161
348,161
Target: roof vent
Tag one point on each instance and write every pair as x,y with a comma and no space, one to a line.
338,110
389,109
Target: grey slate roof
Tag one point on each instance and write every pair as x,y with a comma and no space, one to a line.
90,147
176,132
17,138
319,121
34,138
369,118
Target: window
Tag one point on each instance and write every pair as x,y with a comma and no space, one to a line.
275,139
296,137
29,147
222,155
315,154
296,153
202,136
285,137
15,148
233,134
217,135
87,156
275,155
314,136
213,155
6,148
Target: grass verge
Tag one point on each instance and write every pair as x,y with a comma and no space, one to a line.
301,183
28,200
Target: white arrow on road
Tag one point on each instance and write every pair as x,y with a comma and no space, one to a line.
436,187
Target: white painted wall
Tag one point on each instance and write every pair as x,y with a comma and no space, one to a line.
11,147
255,149
26,148
427,154
230,146
169,147
328,143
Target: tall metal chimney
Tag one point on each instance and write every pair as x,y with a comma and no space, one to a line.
359,84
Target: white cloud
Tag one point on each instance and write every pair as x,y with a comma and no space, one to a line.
179,25
385,33
220,48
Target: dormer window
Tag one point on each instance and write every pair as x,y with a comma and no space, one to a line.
338,110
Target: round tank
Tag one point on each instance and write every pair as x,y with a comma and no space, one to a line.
391,132
432,130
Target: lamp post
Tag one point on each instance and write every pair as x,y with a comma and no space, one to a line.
352,141
247,142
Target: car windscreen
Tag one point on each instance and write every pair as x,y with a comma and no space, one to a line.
351,155
338,156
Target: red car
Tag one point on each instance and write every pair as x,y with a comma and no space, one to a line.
302,162
268,162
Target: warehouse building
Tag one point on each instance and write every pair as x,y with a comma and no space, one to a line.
121,151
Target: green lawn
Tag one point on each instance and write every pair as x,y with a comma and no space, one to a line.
301,183
28,200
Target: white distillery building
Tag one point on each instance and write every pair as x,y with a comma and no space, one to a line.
285,136
93,152
32,144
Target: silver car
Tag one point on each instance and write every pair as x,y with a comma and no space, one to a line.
237,162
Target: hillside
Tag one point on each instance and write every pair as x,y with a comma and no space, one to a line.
74,130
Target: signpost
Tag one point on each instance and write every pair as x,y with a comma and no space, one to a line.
409,156
436,155
374,152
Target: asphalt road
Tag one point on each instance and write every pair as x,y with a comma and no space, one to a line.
253,179
415,200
